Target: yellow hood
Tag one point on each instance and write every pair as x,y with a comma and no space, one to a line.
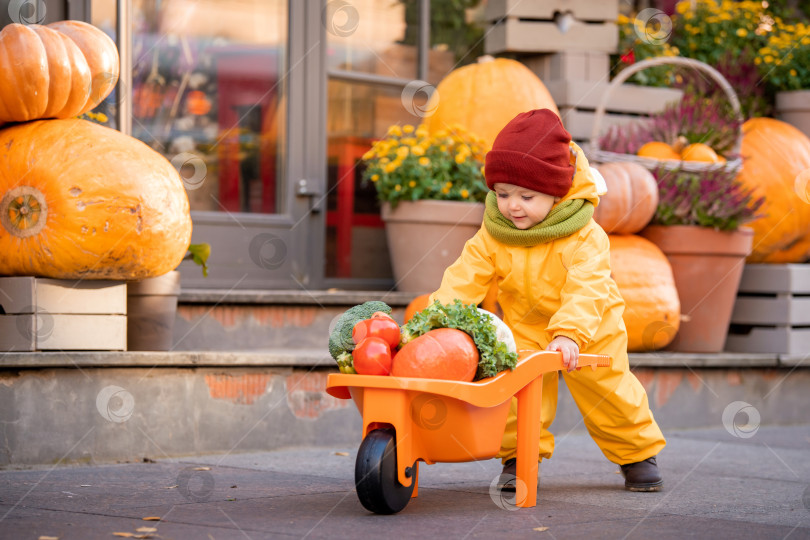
584,185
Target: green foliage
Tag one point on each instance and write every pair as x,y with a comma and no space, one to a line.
710,32
759,47
785,60
199,253
634,46
713,27
493,354
450,28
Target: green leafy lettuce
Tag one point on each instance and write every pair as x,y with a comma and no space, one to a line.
493,354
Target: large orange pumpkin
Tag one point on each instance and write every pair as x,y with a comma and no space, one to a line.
57,71
774,156
79,200
644,277
631,198
484,97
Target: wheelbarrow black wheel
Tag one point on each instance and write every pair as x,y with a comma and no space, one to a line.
375,474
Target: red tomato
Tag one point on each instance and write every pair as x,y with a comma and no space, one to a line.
361,331
372,356
380,327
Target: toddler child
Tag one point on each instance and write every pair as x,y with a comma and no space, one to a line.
551,263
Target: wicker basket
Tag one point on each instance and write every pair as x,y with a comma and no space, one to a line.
603,156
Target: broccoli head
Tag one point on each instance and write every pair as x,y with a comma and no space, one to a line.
340,340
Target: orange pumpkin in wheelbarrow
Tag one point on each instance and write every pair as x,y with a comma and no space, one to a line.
443,353
408,419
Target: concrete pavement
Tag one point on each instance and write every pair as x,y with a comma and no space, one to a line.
718,484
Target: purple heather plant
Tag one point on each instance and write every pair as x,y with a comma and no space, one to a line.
626,138
699,120
739,69
712,198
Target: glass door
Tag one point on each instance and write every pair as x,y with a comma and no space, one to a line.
383,61
213,86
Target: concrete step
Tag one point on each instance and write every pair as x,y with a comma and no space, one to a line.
222,320
102,407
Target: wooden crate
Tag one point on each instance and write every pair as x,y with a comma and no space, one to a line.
513,35
570,66
38,314
772,310
585,10
578,100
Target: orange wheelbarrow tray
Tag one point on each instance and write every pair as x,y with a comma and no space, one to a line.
406,420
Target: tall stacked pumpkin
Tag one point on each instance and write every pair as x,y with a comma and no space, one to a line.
640,269
78,200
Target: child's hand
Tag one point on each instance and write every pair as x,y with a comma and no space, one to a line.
569,349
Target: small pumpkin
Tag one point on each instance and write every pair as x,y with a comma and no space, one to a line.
60,70
680,150
80,200
417,304
775,154
700,152
631,198
644,277
485,96
658,150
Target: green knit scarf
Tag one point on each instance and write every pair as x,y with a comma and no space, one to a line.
565,219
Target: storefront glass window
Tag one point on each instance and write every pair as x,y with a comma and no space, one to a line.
208,93
367,36
379,39
103,15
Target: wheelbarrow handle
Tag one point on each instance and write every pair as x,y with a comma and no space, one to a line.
586,359
487,392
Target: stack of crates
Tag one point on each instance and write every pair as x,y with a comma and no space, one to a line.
568,43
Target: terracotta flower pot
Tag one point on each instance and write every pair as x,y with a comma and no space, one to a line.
707,266
425,237
151,309
793,107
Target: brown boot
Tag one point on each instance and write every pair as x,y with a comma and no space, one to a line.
508,478
642,476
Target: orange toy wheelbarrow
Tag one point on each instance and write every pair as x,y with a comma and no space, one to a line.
407,420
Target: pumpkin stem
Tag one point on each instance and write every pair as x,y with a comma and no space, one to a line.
486,58
680,143
23,211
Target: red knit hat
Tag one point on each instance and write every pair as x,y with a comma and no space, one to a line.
531,151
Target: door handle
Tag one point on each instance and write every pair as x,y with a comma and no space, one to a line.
306,188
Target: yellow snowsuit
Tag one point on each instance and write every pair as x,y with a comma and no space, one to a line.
564,288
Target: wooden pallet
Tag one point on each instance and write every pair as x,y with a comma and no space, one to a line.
587,10
517,36
578,100
38,314
772,310
529,26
